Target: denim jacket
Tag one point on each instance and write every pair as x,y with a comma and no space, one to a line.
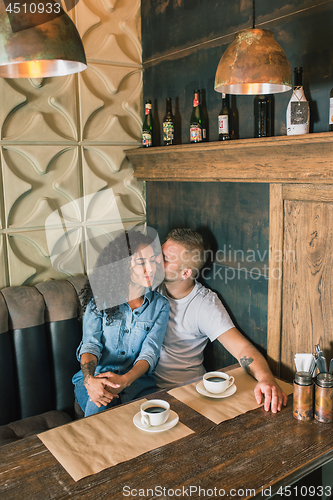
131,336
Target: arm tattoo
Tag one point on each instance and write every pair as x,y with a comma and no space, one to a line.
245,363
88,369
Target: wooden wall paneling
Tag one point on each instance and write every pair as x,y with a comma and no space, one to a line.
300,304
275,277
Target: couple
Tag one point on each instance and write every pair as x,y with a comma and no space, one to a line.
156,337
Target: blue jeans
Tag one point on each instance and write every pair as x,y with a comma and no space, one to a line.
139,388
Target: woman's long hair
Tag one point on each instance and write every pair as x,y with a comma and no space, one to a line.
112,273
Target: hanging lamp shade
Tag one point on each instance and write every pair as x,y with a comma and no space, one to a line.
254,63
38,47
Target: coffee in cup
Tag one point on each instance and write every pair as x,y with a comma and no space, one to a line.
217,382
155,412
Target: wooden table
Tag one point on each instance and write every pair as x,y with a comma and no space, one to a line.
252,455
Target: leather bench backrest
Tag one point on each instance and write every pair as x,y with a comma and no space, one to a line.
39,334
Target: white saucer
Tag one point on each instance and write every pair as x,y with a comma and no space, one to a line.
171,422
202,390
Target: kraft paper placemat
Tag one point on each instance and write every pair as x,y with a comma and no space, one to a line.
222,409
95,443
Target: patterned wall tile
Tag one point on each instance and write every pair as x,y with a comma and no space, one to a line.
46,113
112,94
110,30
38,179
28,258
107,166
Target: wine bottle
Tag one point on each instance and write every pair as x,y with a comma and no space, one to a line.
298,111
263,115
168,125
224,119
197,122
148,129
331,112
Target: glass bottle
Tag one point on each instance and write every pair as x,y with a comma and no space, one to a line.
148,129
263,115
224,119
298,111
331,112
168,125
197,122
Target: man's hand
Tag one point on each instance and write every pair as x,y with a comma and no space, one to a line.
274,396
97,388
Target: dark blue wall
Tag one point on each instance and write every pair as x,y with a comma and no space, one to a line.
233,217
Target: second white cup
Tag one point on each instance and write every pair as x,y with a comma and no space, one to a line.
217,382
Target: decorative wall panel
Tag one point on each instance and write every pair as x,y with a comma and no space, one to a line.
47,113
107,166
64,138
38,179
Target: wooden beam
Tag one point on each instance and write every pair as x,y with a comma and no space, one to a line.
275,278
288,159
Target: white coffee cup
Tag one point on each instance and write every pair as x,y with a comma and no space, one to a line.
155,412
217,382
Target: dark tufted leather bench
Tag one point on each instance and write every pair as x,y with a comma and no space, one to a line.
39,334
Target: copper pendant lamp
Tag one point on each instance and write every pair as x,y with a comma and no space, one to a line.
254,63
38,44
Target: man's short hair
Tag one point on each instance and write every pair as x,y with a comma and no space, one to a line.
193,243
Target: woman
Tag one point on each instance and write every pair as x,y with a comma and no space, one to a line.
121,343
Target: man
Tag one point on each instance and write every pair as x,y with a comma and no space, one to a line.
196,316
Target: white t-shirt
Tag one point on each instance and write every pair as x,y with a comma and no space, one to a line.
193,320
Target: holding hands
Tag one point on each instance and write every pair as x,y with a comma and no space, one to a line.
104,387
100,390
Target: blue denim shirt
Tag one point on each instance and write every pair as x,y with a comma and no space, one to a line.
131,336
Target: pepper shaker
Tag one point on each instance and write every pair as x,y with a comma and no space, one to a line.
324,398
303,396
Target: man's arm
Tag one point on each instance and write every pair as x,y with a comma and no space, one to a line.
255,364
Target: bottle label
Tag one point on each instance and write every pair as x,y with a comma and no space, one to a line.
196,133
331,111
223,124
299,113
195,102
168,131
146,139
147,109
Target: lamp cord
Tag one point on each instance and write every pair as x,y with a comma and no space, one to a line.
254,14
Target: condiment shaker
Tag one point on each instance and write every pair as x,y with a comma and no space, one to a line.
303,396
324,398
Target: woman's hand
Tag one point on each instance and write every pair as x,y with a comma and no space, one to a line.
100,390
122,381
117,382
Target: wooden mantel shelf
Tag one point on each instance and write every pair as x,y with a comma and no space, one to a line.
294,159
